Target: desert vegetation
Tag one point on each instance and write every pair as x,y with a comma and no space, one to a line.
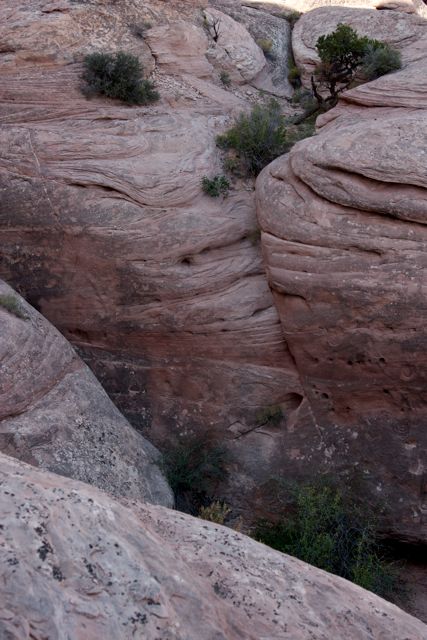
216,186
11,304
193,467
118,75
346,58
323,526
260,136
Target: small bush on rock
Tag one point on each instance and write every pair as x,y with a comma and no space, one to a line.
325,530
225,78
379,60
216,186
11,304
118,75
292,17
267,47
270,415
342,54
294,76
217,512
258,137
193,466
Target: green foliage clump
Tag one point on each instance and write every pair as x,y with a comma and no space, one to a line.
215,187
258,137
11,304
379,60
270,415
306,99
118,75
327,531
224,76
193,466
216,511
266,44
294,75
342,54
292,17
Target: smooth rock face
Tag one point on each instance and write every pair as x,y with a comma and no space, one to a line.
232,47
80,565
275,33
180,47
345,242
55,415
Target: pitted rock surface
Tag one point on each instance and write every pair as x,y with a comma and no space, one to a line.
55,415
78,564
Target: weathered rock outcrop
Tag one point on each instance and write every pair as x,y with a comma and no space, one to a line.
105,229
78,564
55,415
345,238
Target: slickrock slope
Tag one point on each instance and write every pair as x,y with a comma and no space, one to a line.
80,565
345,242
55,415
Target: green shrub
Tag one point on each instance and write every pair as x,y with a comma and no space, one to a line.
11,304
193,466
304,97
267,47
217,512
270,415
325,530
118,75
379,60
292,17
294,74
231,164
342,54
258,137
216,186
225,78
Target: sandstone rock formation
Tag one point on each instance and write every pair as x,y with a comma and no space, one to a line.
270,31
55,415
233,47
80,565
344,237
104,228
279,7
